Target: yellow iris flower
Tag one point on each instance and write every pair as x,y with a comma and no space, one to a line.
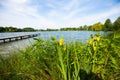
90,42
97,38
61,41
94,48
64,48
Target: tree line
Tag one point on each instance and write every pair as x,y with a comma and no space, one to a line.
107,26
14,29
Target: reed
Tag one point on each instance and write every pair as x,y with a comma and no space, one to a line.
53,59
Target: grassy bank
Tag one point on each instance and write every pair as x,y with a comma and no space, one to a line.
54,59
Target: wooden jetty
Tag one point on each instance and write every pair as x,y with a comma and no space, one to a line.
15,38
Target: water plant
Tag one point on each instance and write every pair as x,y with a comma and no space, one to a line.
53,59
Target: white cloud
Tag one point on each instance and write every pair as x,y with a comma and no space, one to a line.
60,14
53,13
23,15
76,12
24,21
19,1
91,19
70,5
50,5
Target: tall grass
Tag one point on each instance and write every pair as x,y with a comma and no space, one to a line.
54,59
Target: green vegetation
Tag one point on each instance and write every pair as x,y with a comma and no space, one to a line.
97,27
98,59
116,25
107,26
14,29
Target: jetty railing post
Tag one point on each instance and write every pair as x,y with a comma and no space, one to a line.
4,40
21,37
10,39
16,38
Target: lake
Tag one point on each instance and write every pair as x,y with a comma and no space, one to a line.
7,48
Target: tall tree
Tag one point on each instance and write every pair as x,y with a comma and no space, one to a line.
90,27
2,29
107,25
116,24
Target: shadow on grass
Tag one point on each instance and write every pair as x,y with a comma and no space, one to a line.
91,76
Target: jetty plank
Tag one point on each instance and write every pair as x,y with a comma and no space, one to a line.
10,38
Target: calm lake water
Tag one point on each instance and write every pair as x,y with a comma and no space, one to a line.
7,48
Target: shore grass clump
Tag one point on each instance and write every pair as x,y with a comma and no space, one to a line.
53,59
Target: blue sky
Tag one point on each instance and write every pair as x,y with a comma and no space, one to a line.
42,14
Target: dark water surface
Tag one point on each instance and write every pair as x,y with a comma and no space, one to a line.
9,47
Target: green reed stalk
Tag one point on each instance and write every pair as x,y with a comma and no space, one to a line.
61,66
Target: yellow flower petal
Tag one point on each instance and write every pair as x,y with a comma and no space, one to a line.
94,48
90,42
97,38
64,48
61,41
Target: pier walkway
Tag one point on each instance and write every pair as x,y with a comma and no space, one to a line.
15,38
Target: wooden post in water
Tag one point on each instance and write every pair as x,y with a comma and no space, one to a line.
16,38
21,37
10,39
4,40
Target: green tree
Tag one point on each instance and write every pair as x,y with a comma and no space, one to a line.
97,26
48,29
116,24
80,28
107,25
85,27
12,29
90,27
2,29
28,29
